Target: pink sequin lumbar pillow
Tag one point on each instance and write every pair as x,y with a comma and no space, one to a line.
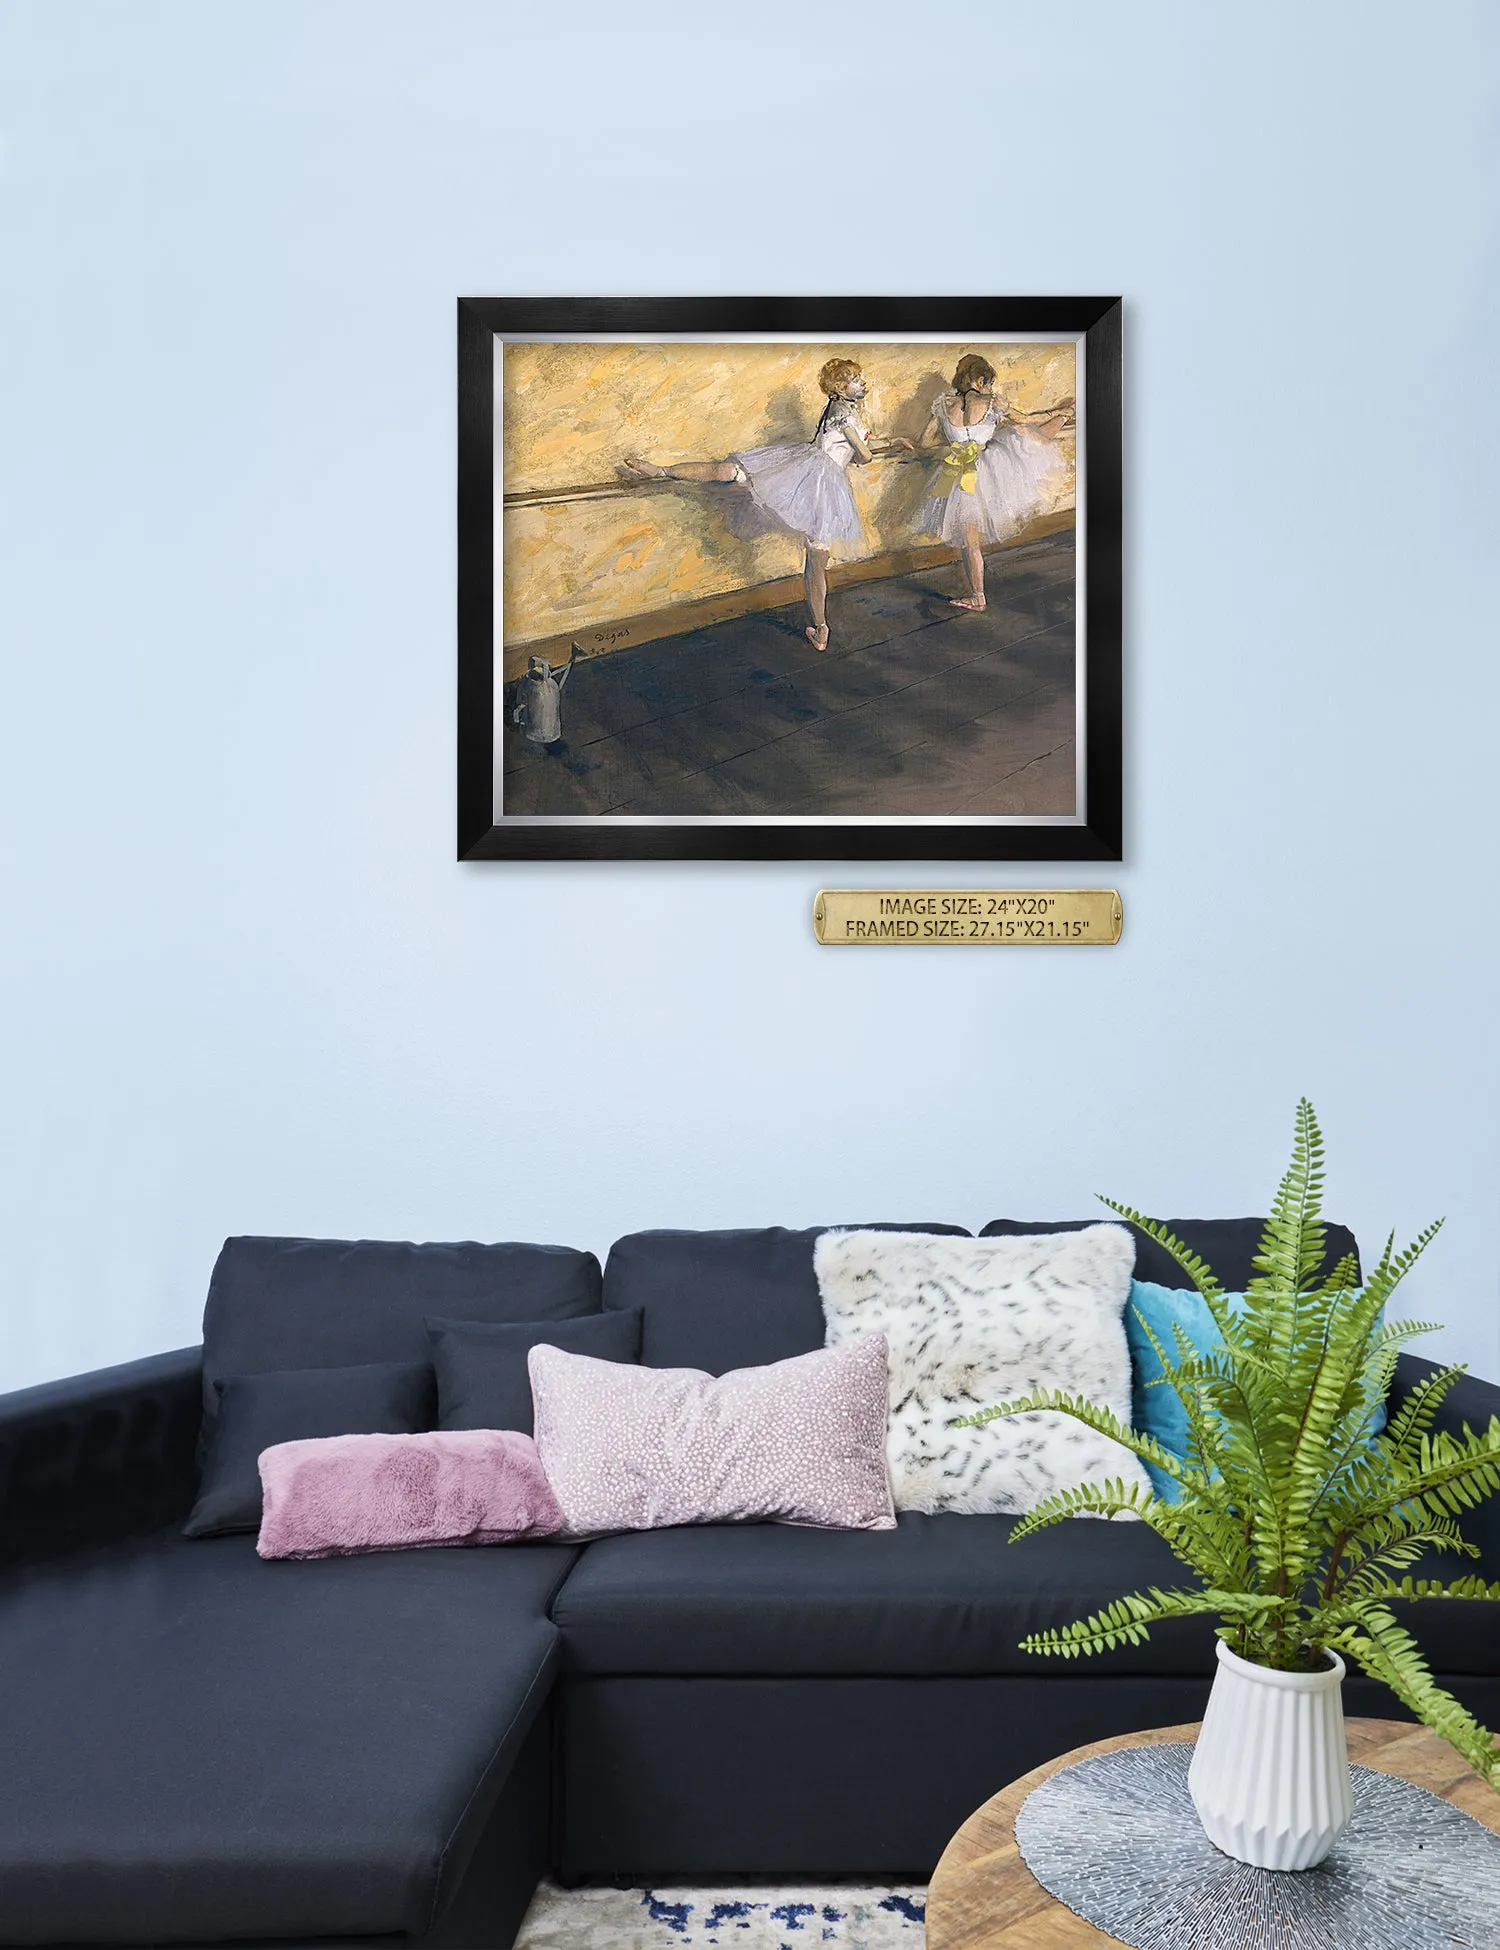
800,1441
336,1495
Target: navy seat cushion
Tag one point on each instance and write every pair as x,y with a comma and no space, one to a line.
722,1300
1227,1245
201,1745
324,1303
940,1595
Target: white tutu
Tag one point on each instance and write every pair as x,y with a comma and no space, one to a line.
807,491
1010,476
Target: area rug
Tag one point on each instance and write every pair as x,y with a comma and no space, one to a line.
749,1916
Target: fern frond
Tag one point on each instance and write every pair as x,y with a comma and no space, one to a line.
1381,1497
1344,1278
1292,1247
1102,1420
1128,1620
1209,1540
1182,1378
1370,1575
1414,1418
1407,1590
1394,1267
1395,1334
1459,1470
1400,1527
1084,1500
1388,1652
1328,1374
1197,1270
1415,1589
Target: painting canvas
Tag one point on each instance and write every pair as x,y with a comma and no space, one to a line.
782,591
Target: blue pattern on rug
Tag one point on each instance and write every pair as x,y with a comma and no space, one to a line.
756,1917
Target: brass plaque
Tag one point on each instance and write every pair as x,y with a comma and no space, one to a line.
974,916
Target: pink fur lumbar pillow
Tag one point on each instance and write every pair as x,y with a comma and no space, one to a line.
801,1441
337,1495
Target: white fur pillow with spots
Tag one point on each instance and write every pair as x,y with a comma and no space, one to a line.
972,1322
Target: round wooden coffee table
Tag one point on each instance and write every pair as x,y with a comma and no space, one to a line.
983,1897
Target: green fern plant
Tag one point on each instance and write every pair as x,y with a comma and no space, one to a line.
1299,1524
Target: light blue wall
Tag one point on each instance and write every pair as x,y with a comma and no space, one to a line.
244,986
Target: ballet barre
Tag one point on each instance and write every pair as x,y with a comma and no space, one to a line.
608,490
627,489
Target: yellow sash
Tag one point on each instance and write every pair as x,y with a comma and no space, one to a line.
961,460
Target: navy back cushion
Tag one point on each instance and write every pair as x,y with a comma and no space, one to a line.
483,1379
722,1300
328,1303
1227,1245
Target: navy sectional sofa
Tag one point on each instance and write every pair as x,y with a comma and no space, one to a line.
202,1748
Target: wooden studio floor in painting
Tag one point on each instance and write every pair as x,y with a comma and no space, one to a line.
916,708
668,513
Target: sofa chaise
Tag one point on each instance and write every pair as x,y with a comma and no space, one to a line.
201,1747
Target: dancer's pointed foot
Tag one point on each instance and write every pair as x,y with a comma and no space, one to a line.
816,637
641,469
967,602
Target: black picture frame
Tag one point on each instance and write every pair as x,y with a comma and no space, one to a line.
1094,321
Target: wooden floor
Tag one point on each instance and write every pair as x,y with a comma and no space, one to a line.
915,708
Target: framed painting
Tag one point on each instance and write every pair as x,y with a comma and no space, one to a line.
798,578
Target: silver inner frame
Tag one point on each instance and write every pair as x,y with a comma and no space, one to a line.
1080,637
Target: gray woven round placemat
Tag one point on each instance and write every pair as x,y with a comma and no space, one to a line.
1117,1839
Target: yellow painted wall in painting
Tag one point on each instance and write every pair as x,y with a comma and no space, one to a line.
571,413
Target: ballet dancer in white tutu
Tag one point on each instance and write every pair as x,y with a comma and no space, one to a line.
804,485
993,471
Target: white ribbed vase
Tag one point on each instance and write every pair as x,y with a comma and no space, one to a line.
1270,1772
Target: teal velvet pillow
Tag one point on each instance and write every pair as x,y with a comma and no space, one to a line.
1159,1411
